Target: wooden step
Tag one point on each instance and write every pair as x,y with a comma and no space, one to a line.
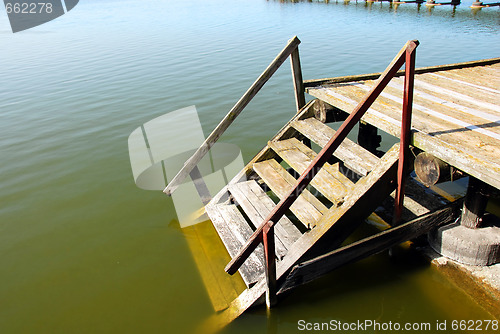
234,231
329,181
307,208
365,195
354,156
257,206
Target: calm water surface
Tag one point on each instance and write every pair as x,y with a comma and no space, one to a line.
83,250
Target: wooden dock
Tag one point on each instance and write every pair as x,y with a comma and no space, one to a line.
284,217
456,112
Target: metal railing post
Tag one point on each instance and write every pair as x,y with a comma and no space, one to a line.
404,148
407,53
269,251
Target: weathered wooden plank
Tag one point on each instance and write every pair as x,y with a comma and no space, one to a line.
438,117
373,76
354,156
298,82
317,267
303,209
444,144
266,152
478,76
231,115
233,231
323,156
329,181
470,90
366,194
470,102
445,111
261,206
250,205
292,181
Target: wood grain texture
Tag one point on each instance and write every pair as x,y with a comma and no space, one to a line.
429,69
257,206
275,177
354,156
234,231
455,115
341,221
329,181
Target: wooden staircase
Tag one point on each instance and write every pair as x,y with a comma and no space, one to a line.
243,205
337,201
284,217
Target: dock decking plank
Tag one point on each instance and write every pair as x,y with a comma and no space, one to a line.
471,90
484,82
465,134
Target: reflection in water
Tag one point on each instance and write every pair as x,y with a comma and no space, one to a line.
84,250
475,7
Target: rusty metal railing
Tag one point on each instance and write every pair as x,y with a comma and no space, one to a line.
265,232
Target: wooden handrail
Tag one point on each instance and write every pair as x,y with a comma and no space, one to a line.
322,157
237,109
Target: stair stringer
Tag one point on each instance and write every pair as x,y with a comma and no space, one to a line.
286,132
338,223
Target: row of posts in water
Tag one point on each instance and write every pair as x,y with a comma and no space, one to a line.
477,4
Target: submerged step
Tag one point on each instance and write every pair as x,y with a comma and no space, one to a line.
329,181
354,156
234,231
257,206
307,208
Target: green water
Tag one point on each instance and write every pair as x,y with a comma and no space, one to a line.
83,250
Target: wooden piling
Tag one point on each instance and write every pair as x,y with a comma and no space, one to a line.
475,203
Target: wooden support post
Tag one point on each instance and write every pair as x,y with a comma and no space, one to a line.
269,251
368,137
475,203
298,82
404,148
